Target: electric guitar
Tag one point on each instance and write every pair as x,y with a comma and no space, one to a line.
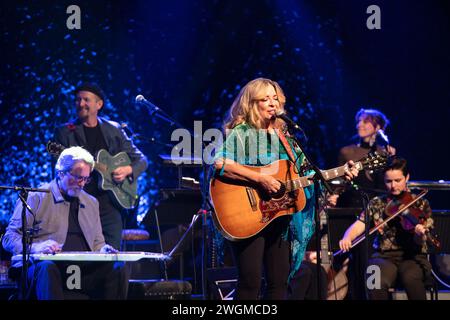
122,193
242,210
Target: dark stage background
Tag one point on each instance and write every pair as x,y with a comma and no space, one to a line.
192,57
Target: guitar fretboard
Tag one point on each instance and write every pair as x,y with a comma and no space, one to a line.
327,174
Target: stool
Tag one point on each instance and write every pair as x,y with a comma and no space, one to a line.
135,234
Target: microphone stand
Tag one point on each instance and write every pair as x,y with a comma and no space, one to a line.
365,252
158,112
206,204
317,178
27,234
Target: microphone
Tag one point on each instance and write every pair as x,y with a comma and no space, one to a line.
155,110
282,115
141,99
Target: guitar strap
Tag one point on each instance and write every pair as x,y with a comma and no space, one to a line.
286,145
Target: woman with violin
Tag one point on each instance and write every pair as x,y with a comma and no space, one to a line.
401,244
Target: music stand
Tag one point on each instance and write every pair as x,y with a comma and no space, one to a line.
175,201
174,207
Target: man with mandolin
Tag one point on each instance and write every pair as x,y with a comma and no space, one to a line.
104,138
258,192
401,245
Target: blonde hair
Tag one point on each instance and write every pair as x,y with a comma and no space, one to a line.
69,156
245,107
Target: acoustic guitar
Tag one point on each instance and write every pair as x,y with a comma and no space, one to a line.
242,210
124,193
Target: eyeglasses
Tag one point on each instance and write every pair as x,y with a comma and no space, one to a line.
79,178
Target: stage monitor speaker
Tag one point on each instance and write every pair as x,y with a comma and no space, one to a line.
222,283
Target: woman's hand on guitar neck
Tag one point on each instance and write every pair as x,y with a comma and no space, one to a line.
351,171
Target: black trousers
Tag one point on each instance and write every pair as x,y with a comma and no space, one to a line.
111,220
266,250
411,270
303,285
98,280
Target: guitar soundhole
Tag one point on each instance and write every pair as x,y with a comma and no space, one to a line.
280,193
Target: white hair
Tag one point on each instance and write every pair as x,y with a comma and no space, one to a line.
69,156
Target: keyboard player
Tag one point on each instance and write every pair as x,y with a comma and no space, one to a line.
66,219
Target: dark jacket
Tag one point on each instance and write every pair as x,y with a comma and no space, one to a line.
72,134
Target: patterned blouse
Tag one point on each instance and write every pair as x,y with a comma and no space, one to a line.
392,235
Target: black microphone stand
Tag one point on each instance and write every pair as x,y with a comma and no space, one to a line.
317,178
27,233
206,204
365,252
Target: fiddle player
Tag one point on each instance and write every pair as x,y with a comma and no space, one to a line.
399,253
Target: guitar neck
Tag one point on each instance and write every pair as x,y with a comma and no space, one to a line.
327,174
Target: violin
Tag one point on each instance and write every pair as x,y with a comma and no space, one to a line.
402,206
411,216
